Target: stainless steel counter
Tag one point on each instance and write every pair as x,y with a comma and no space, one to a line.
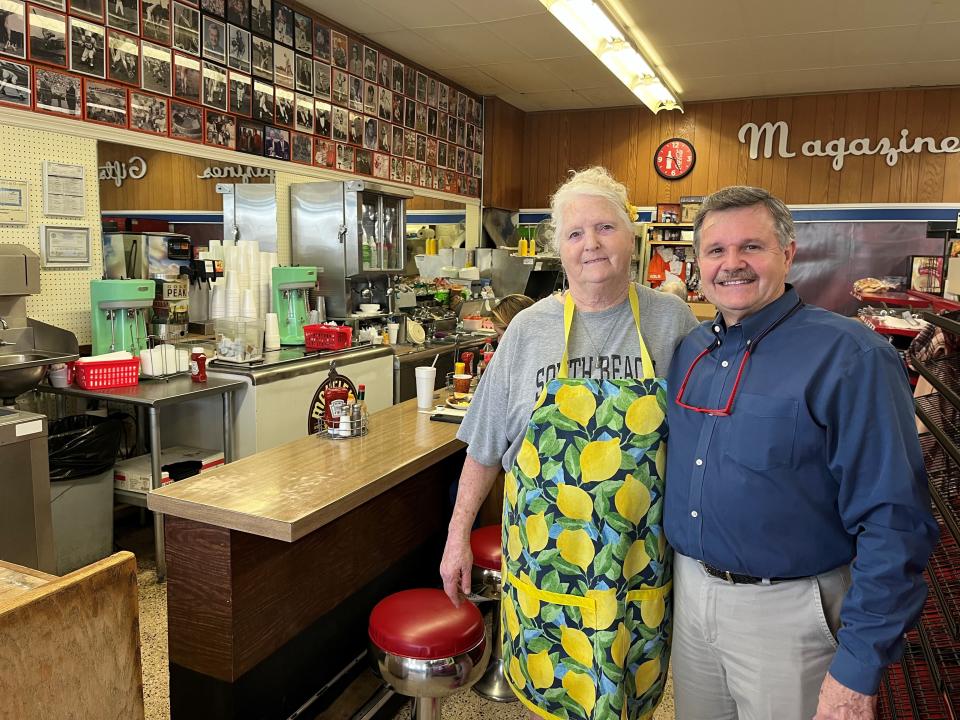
293,361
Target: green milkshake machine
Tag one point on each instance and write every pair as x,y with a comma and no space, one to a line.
118,309
291,300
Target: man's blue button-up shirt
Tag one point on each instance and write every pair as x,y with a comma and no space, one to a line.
817,464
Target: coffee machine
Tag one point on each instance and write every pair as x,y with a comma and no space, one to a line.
291,293
118,309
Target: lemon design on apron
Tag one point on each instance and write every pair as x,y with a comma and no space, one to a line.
586,603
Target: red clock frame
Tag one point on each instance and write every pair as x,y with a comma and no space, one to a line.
674,159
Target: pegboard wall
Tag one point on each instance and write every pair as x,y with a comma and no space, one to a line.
283,181
64,298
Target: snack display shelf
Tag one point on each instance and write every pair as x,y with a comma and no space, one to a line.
950,323
943,478
923,697
942,419
944,375
943,578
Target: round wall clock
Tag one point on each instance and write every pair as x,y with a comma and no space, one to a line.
674,158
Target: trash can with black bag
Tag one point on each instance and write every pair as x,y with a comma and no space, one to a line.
83,450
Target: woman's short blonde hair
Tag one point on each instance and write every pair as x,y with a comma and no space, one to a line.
507,308
594,181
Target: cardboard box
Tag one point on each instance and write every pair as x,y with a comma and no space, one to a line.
134,474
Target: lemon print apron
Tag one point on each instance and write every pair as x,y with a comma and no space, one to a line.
586,582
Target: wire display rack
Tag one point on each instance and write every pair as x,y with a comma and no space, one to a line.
943,477
944,374
942,419
943,578
923,697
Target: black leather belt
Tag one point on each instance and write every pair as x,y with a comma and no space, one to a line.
739,579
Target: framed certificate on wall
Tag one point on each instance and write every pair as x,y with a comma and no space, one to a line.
14,202
64,246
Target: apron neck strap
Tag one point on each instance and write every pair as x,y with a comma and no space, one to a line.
568,308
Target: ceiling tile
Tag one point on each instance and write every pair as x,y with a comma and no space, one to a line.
873,46
581,72
473,44
928,74
728,57
702,21
617,96
476,80
939,42
538,36
527,76
422,13
492,10
520,101
560,100
356,15
410,45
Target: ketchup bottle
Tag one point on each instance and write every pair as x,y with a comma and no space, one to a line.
198,365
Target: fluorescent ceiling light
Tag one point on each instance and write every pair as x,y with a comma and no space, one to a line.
590,25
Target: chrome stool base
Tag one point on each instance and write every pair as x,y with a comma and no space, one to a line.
426,708
493,685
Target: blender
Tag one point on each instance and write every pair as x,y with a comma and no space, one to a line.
291,294
118,310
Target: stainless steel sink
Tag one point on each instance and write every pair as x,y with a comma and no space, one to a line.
22,371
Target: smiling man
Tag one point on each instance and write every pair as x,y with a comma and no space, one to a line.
796,497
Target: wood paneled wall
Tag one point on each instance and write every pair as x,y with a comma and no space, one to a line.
503,155
624,140
171,182
419,202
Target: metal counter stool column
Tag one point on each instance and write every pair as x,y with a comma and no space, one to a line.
486,545
426,648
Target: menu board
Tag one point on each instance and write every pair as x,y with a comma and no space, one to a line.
63,189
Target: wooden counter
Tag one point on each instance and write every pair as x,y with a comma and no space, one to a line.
275,561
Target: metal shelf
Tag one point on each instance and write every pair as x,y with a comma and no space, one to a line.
942,419
949,324
944,375
943,654
943,574
130,497
924,699
893,703
943,478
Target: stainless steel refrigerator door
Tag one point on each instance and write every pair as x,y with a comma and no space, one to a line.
250,213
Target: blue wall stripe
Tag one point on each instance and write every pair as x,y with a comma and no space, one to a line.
904,214
426,218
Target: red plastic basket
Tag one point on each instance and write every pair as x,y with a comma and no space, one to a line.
327,337
107,374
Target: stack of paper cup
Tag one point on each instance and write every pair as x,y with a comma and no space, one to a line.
233,293
218,301
271,336
248,306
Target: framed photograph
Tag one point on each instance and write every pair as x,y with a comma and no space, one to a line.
341,87
324,153
381,166
60,5
213,44
302,34
370,98
409,113
470,134
48,37
214,86
452,128
384,67
396,169
250,137
186,28
370,133
432,115
421,148
276,143
384,137
303,74
356,129
396,143
156,68
411,173
262,101
57,93
397,76
668,212
421,87
420,118
926,273
321,80
124,15
461,132
432,89
220,130
410,81
304,113
345,158
261,17
283,65
155,20
370,60
477,165
88,9
214,7
283,24
301,148
356,57
321,42
397,114
187,80
409,144
461,106
87,48
338,49
321,118
441,154
385,106
105,103
431,151
15,88
14,202
284,106
240,93
340,124
262,58
148,113
238,52
13,23
443,101
124,58
238,13
186,122
364,161
461,160
64,246
356,93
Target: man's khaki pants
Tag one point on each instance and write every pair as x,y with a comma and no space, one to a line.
753,652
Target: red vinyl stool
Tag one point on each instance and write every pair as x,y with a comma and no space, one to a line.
486,545
426,648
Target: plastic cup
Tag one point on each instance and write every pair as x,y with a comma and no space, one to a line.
393,331
426,379
461,383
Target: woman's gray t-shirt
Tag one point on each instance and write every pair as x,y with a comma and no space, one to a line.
603,344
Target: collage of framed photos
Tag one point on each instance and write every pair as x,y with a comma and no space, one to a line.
256,76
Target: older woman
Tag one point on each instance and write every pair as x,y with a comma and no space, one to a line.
572,407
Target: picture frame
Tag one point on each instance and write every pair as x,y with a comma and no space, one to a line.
87,48
214,87
124,15
345,158
356,93
217,8
410,81
339,124
17,88
60,5
64,247
324,153
155,20
443,98
356,56
187,78
338,49
668,212
283,24
149,113
186,122
14,202
396,169
276,143
385,106
186,29
364,161
156,68
340,87
303,74
240,93
409,144
370,134
303,113
321,80
220,130
263,103
261,18
283,66
123,58
396,141
262,58
322,118
13,20
321,42
57,93
398,77
356,129
89,9
409,113
432,91
284,106
420,118
370,98
370,61
384,137
47,36
105,103
238,48
303,34
238,13
214,45
250,137
926,273
421,87
301,148
384,66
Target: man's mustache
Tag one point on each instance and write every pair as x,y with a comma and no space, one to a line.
736,275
